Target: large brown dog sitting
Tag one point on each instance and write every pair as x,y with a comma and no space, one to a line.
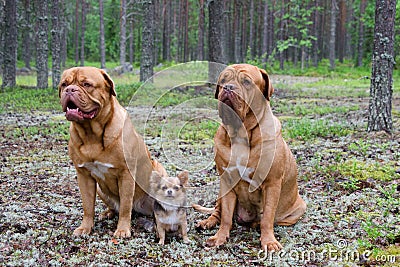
106,151
257,170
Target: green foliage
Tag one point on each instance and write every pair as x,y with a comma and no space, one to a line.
313,107
26,100
307,129
197,130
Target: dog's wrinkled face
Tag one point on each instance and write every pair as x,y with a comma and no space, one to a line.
237,86
84,91
169,190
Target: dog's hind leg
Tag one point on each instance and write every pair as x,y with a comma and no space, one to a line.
112,205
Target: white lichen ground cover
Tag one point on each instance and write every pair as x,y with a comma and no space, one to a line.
349,179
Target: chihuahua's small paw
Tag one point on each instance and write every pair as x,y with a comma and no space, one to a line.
216,240
209,223
107,214
82,231
271,245
122,233
186,240
161,242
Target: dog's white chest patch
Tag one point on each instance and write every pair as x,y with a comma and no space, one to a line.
97,168
244,172
171,219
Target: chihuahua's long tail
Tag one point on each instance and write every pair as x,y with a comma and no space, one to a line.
203,209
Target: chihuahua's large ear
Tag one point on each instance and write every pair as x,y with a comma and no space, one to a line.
109,82
268,89
183,177
155,177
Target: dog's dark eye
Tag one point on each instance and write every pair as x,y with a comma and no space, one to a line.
222,81
246,82
86,84
64,84
176,187
164,188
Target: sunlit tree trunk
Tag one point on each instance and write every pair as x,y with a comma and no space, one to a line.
381,90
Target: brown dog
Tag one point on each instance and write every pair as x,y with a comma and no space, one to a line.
105,149
258,171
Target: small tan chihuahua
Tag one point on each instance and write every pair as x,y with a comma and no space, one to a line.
169,205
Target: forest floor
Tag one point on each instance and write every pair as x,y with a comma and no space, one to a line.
348,177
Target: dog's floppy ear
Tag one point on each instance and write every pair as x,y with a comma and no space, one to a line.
218,87
183,177
268,89
109,82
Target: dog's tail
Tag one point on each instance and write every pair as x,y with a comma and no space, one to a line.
202,209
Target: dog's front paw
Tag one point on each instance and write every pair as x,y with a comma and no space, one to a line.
271,245
216,240
122,233
81,230
208,223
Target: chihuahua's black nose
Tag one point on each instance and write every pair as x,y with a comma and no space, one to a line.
169,192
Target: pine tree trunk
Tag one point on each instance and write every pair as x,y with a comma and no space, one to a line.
64,36
315,32
146,61
10,44
252,42
122,43
264,50
342,31
26,34
76,33
360,47
332,39
200,43
56,42
281,35
215,58
132,41
83,30
166,29
102,36
237,31
2,33
185,31
381,90
42,46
